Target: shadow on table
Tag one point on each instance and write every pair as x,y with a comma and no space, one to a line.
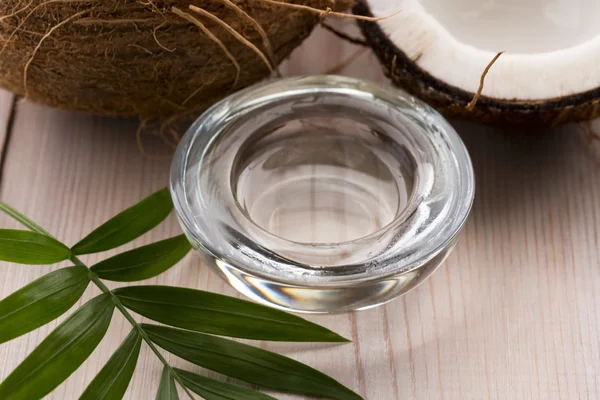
518,165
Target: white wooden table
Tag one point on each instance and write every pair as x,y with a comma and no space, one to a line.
513,313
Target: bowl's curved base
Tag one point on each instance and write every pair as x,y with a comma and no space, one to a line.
326,300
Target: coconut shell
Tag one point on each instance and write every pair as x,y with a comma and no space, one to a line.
138,58
452,101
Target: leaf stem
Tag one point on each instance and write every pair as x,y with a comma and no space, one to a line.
23,219
98,282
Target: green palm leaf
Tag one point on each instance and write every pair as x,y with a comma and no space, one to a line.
112,380
61,353
248,363
127,225
144,262
42,301
220,315
72,342
211,389
26,247
167,389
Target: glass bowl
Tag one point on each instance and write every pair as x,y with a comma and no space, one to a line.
323,193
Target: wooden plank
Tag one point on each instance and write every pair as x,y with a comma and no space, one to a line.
512,314
6,106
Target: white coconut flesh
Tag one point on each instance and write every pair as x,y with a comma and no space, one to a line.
552,46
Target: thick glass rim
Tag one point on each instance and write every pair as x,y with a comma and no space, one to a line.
204,229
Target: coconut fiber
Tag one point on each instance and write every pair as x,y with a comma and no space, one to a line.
144,58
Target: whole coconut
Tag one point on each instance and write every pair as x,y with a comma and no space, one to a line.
144,58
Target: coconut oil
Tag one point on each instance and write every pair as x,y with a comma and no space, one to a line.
323,180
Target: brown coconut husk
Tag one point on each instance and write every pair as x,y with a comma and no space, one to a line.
145,58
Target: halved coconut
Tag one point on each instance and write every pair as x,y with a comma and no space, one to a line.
438,50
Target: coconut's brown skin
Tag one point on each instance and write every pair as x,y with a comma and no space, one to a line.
452,101
113,59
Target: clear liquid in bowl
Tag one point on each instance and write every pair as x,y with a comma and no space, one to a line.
316,183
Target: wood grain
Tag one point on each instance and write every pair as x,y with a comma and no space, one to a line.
6,108
512,314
